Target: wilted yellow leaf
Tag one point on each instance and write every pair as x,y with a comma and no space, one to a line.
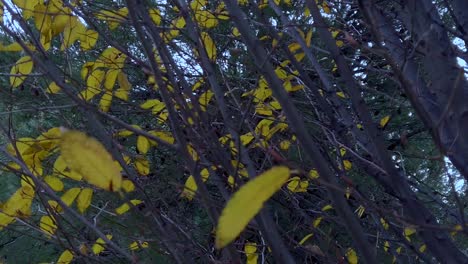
247,202
89,158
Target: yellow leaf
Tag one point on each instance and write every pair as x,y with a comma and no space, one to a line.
124,87
143,144
47,224
66,257
398,250
293,47
386,246
360,210
422,248
308,38
235,32
209,46
142,166
128,186
250,248
155,16
190,188
304,239
347,165
408,231
348,192
27,7
327,207
125,207
325,7
341,94
11,47
61,169
98,247
73,31
247,202
206,19
154,104
456,229
313,174
55,183
297,185
384,223
53,88
19,205
88,39
88,157
93,84
113,18
105,102
351,256
285,144
317,221
163,135
84,199
22,67
135,245
342,151
193,153
384,121
69,196
111,78
205,99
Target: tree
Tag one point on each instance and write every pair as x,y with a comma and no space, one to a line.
236,130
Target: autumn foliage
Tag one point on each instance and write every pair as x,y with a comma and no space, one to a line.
229,131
